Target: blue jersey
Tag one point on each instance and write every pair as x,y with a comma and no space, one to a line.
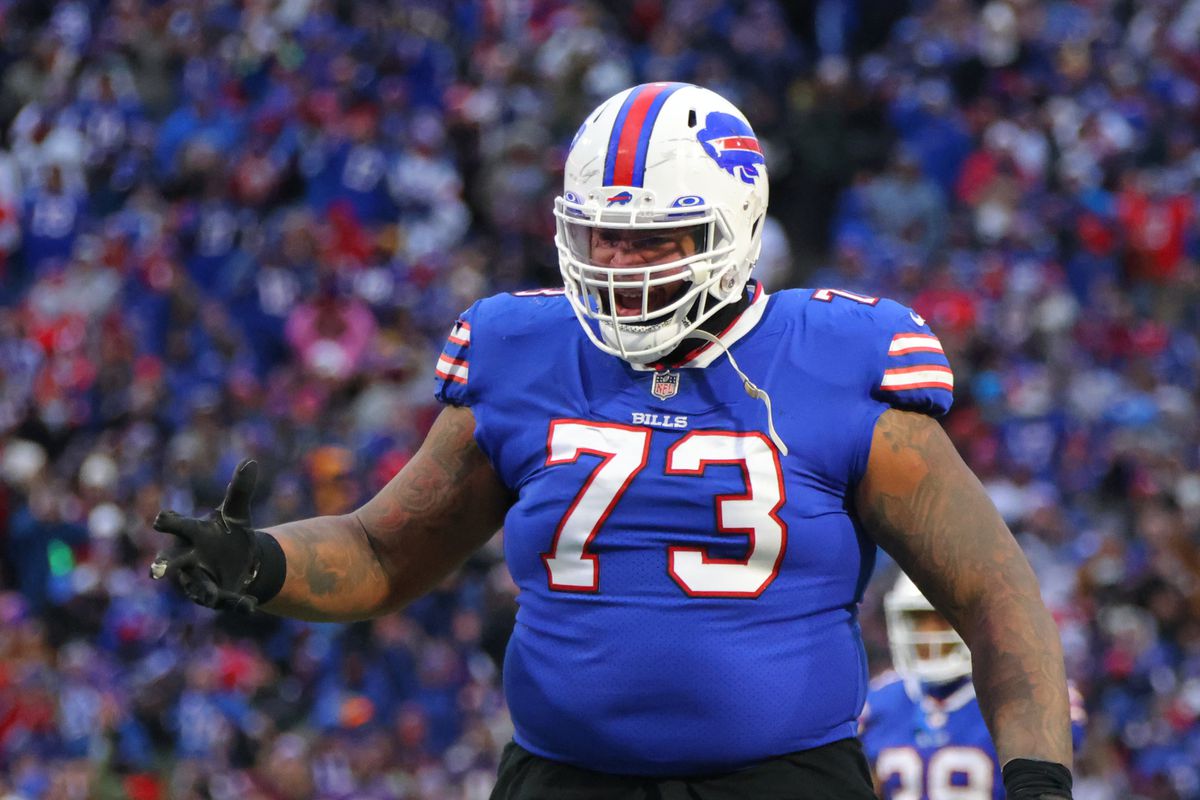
688,594
924,748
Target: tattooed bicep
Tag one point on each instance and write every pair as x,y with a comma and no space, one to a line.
922,504
449,485
929,511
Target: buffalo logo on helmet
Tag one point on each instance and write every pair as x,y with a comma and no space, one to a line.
730,142
620,198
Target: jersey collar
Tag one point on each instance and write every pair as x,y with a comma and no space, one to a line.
706,354
952,702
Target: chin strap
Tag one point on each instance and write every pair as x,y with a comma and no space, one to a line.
749,386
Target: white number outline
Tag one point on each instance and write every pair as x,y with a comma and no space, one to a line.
978,767
932,778
610,474
539,292
609,480
827,295
906,764
696,559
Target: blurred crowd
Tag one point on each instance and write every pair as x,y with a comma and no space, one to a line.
235,229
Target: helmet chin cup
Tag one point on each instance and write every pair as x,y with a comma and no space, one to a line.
692,162
644,343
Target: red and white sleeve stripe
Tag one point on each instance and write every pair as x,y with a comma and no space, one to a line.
452,364
904,344
451,369
461,335
924,376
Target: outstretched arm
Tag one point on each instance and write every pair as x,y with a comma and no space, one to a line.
444,504
926,508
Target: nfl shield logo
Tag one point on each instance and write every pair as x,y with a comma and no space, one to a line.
665,386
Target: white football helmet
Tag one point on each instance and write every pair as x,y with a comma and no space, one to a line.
931,657
654,157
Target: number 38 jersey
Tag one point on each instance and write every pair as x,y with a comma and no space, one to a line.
924,748
688,593
928,749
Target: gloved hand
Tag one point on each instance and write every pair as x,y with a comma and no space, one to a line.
214,560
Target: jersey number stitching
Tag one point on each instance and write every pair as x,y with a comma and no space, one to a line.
973,764
624,451
827,295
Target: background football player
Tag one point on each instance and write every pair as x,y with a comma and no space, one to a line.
922,728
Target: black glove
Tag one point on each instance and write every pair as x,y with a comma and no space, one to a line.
222,562
1030,779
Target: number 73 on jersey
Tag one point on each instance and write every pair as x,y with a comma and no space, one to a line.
624,451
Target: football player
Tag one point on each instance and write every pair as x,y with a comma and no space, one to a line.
692,477
922,729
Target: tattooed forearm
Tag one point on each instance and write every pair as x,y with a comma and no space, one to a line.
443,505
331,575
923,505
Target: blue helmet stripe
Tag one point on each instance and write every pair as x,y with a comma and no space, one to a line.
639,163
614,138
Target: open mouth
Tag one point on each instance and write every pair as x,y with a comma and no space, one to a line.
629,301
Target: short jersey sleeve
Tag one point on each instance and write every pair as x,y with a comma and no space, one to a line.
914,374
453,372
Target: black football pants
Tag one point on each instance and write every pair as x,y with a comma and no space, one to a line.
836,771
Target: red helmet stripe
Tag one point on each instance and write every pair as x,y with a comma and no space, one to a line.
630,133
